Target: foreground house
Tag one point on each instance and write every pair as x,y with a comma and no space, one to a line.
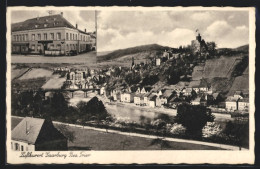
34,134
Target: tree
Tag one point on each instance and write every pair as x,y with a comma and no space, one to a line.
58,105
193,118
211,46
93,110
238,132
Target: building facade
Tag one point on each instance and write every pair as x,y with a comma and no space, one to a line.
49,35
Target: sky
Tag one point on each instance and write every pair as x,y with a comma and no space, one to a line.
84,19
123,29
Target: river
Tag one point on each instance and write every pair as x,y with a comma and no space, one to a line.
131,112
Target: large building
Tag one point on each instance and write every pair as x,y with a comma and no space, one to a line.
34,134
50,35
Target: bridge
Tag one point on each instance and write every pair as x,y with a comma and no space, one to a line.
63,90
72,91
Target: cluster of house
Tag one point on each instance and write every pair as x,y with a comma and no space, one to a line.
82,79
146,96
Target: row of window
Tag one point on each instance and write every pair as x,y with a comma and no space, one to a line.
51,47
58,47
72,36
17,147
24,37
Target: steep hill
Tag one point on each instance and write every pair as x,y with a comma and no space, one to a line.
130,51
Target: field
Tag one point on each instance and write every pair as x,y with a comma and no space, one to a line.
87,58
16,73
36,73
98,140
54,83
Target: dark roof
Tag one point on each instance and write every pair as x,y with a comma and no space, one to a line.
51,21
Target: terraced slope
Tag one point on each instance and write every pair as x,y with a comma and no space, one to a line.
221,67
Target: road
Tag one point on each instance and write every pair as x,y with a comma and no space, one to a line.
86,58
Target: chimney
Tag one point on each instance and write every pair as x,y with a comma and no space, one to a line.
77,26
61,13
85,30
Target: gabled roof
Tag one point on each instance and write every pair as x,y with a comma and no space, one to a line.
28,130
231,99
50,21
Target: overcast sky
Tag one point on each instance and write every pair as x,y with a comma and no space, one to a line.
122,29
84,19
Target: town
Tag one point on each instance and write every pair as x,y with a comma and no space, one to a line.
196,92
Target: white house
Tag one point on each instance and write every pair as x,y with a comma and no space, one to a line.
127,97
158,61
243,104
231,103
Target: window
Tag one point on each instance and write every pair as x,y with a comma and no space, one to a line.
76,37
33,47
52,36
67,36
26,37
45,36
73,37
11,145
16,146
21,148
23,37
38,47
70,36
58,36
58,46
51,46
80,37
67,47
33,37
39,37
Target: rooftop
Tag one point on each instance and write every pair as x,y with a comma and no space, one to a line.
51,21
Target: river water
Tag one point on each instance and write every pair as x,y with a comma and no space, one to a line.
131,112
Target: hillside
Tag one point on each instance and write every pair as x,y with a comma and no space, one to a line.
231,51
130,51
219,74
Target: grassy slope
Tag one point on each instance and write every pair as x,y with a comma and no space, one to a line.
97,140
129,51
